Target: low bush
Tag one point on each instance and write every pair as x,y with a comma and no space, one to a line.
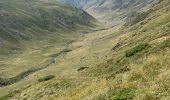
46,78
137,49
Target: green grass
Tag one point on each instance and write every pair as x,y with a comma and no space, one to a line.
122,94
137,49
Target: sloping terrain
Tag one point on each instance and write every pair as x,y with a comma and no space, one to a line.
32,32
125,62
29,25
25,20
112,11
129,62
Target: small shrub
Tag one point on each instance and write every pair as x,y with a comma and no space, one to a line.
137,49
46,78
122,94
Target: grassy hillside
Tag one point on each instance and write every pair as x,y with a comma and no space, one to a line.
32,32
121,63
28,26
29,20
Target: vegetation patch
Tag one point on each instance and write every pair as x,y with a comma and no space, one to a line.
137,49
46,78
122,94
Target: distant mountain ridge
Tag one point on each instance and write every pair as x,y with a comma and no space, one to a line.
111,11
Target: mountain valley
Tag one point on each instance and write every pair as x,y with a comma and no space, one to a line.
84,49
